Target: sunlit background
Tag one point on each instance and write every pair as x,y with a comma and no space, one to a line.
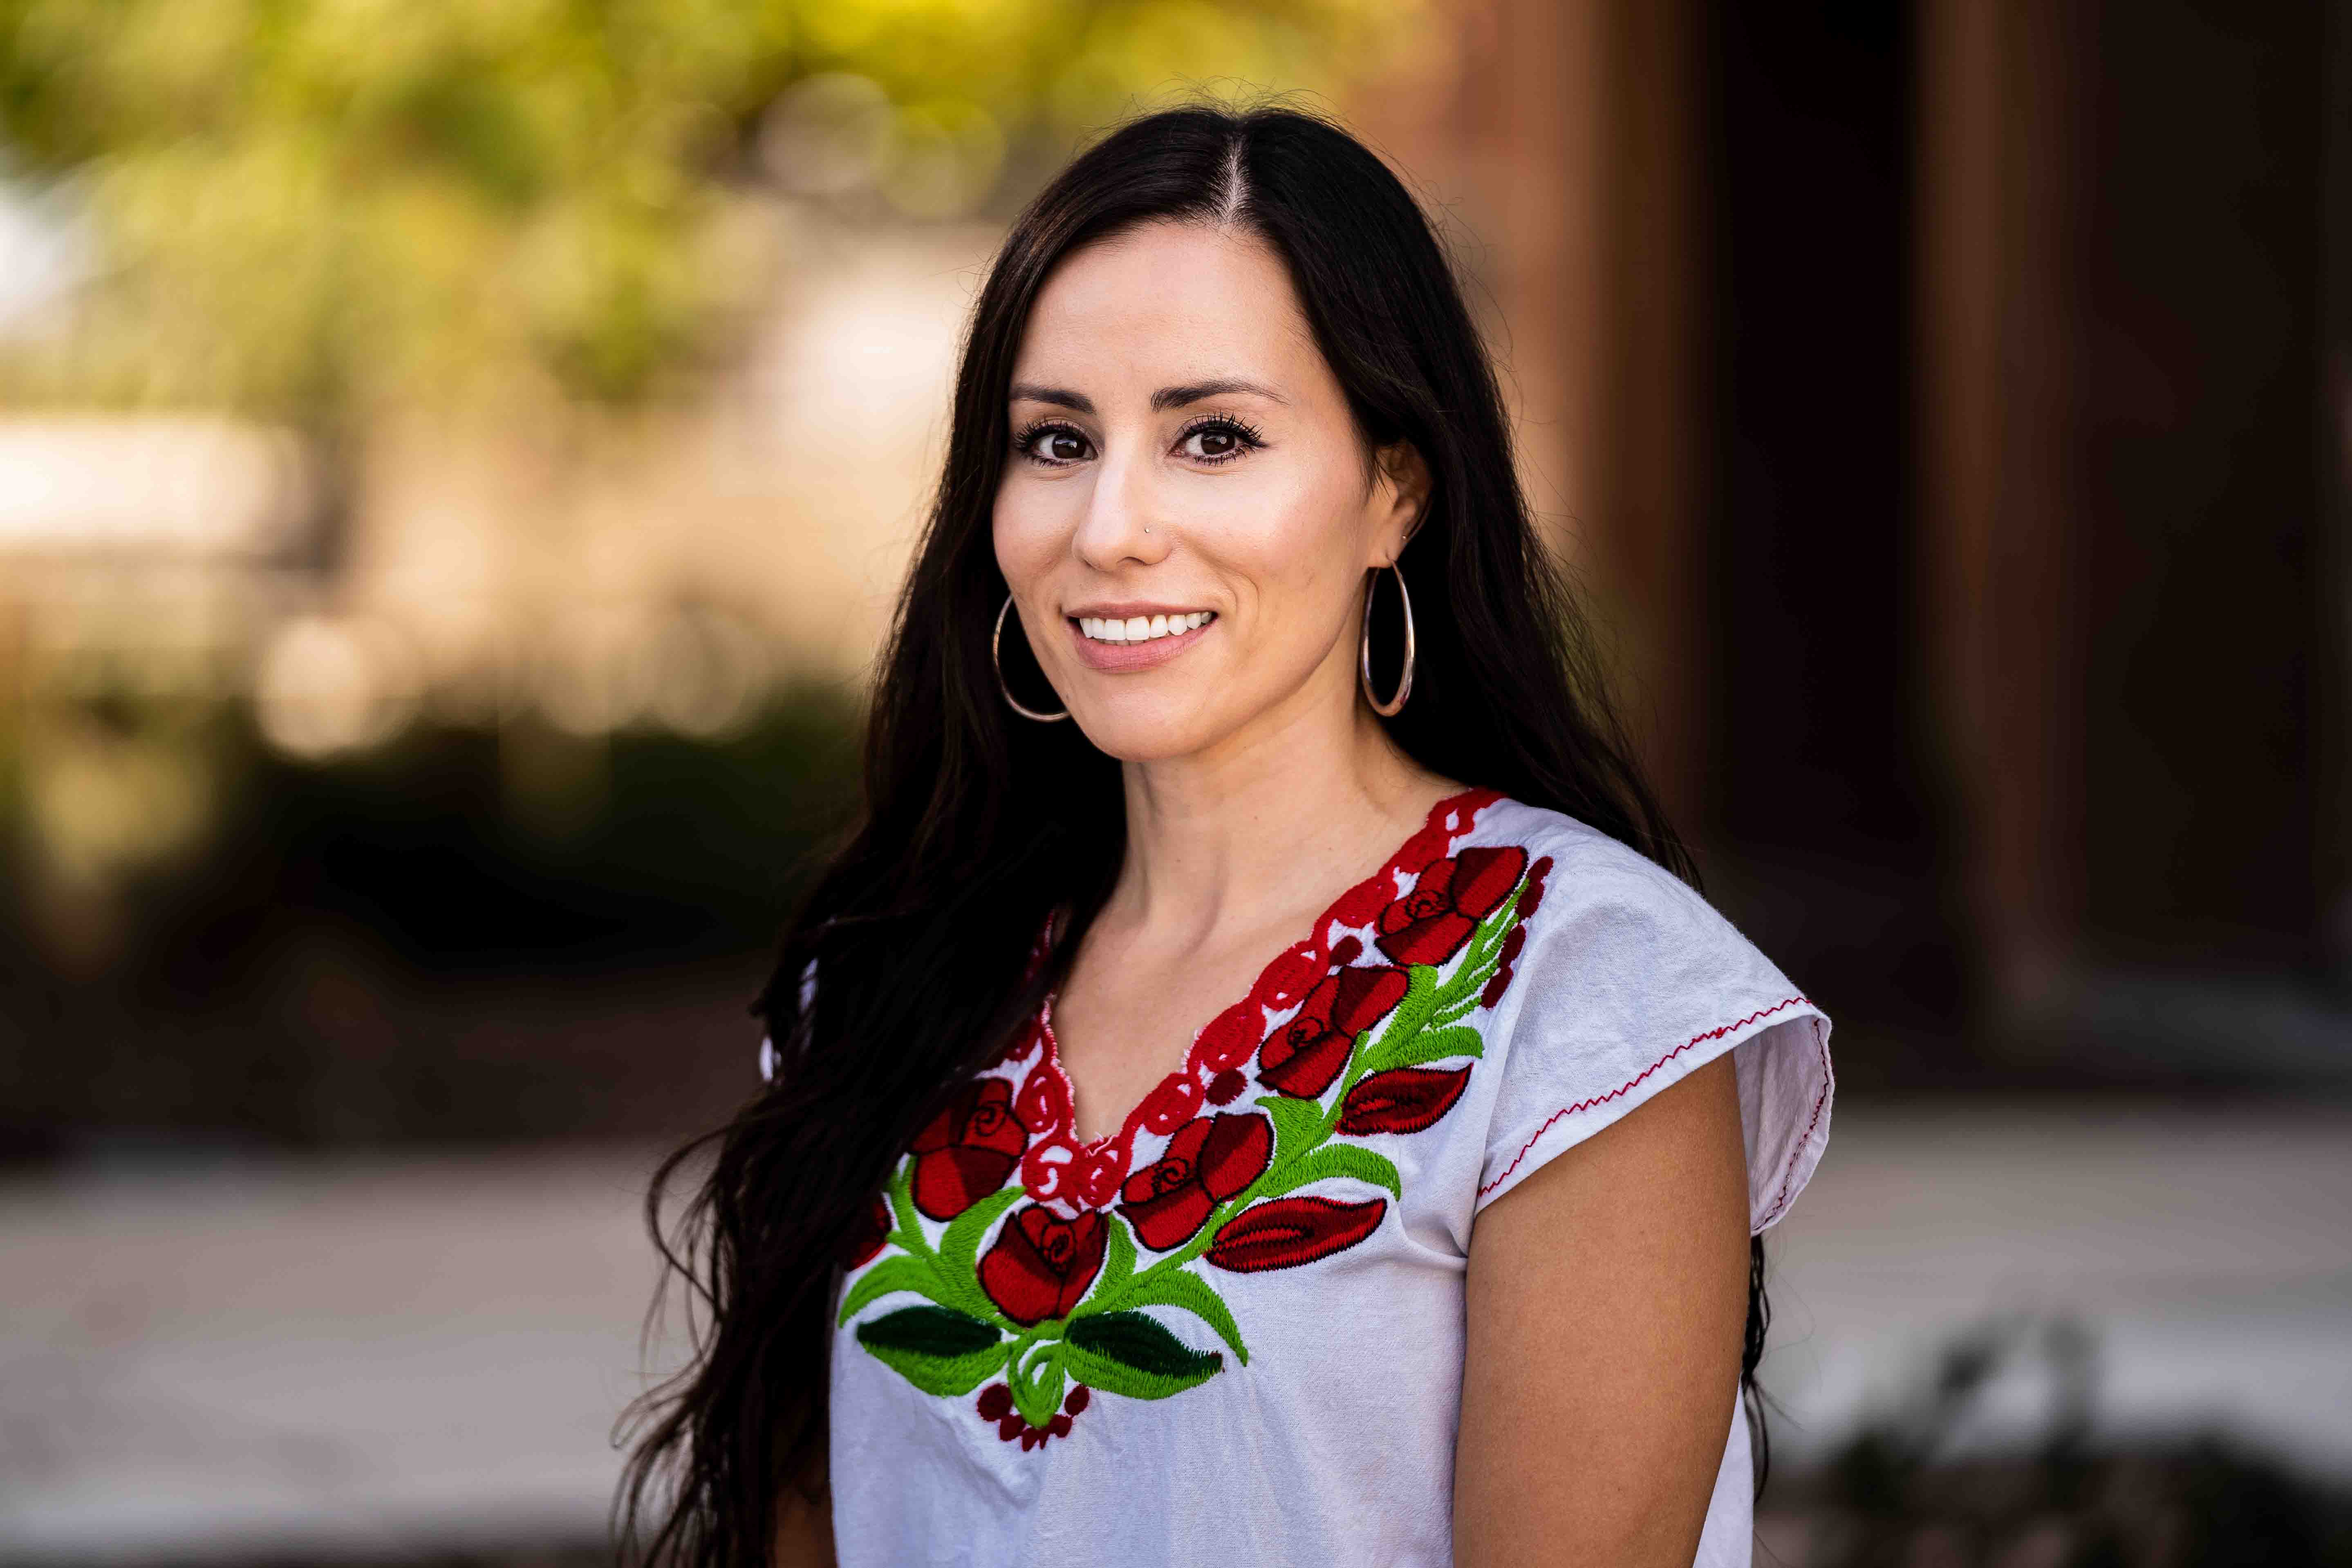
456,457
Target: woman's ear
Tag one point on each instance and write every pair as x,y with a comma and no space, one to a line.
1406,479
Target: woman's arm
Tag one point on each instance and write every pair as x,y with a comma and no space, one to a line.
1607,1294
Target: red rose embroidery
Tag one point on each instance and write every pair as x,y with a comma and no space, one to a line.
995,1407
1097,1172
1207,1162
1530,899
1531,896
1231,1035
1500,980
1172,1104
1361,904
1298,967
968,1150
1042,1263
1402,1099
1426,845
1305,1055
1429,924
1287,1232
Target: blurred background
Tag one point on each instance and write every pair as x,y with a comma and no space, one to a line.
456,460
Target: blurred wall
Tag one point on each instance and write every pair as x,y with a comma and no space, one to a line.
1944,405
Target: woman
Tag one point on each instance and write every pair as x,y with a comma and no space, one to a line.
1255,1089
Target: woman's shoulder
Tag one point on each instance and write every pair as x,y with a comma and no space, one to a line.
1582,865
1608,923
1628,980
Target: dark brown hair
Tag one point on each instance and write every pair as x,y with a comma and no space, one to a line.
978,823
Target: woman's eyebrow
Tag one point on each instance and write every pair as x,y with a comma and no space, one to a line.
1193,391
1060,397
1165,398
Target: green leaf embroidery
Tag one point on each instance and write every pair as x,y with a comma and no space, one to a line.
1106,1343
1132,1355
1192,1294
1429,1046
960,1243
1453,1012
900,1273
1298,1124
1412,1009
909,1233
1118,1264
938,1351
1338,1159
1037,1386
1461,993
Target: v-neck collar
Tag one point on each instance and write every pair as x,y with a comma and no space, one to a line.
1226,1042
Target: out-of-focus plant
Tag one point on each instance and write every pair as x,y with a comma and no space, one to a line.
1944,1478
303,209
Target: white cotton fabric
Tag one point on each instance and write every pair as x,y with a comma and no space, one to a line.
1334,1444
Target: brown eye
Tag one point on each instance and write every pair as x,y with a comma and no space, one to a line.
1057,446
1218,441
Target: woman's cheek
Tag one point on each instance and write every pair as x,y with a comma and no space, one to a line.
1023,535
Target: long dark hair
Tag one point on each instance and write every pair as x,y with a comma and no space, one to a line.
976,823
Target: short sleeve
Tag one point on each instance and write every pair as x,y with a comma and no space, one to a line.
1629,982
770,1057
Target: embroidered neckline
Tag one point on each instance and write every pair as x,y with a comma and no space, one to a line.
1052,1309
1227,1040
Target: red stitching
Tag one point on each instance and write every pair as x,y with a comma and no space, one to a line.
1464,807
1821,1102
1627,1087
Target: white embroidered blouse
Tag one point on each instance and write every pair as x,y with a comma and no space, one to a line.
1233,1330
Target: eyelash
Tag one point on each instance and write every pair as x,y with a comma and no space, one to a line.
1246,438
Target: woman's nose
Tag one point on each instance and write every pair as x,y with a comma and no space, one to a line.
1119,525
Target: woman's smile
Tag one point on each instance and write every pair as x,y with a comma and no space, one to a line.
1116,637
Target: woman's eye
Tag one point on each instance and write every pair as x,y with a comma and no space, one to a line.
1055,443
1218,441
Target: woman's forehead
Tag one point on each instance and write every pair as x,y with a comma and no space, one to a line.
1169,304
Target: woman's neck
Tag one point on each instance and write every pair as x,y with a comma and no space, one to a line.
1238,834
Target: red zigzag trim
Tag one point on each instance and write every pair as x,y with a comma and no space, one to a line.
1821,1102
1635,1081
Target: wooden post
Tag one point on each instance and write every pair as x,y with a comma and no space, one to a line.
1568,136
1997,595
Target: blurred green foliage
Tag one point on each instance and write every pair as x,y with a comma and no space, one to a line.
401,946
302,207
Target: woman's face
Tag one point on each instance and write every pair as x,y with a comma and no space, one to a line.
1188,512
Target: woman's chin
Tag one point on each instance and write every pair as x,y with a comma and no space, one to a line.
1138,727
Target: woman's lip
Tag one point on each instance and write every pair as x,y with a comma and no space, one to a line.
1128,611
1115,656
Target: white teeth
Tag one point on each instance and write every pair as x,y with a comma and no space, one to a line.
1142,628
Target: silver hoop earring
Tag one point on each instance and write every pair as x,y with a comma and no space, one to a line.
1364,654
996,657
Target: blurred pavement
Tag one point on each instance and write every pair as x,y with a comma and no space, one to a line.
2208,1252
318,1358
